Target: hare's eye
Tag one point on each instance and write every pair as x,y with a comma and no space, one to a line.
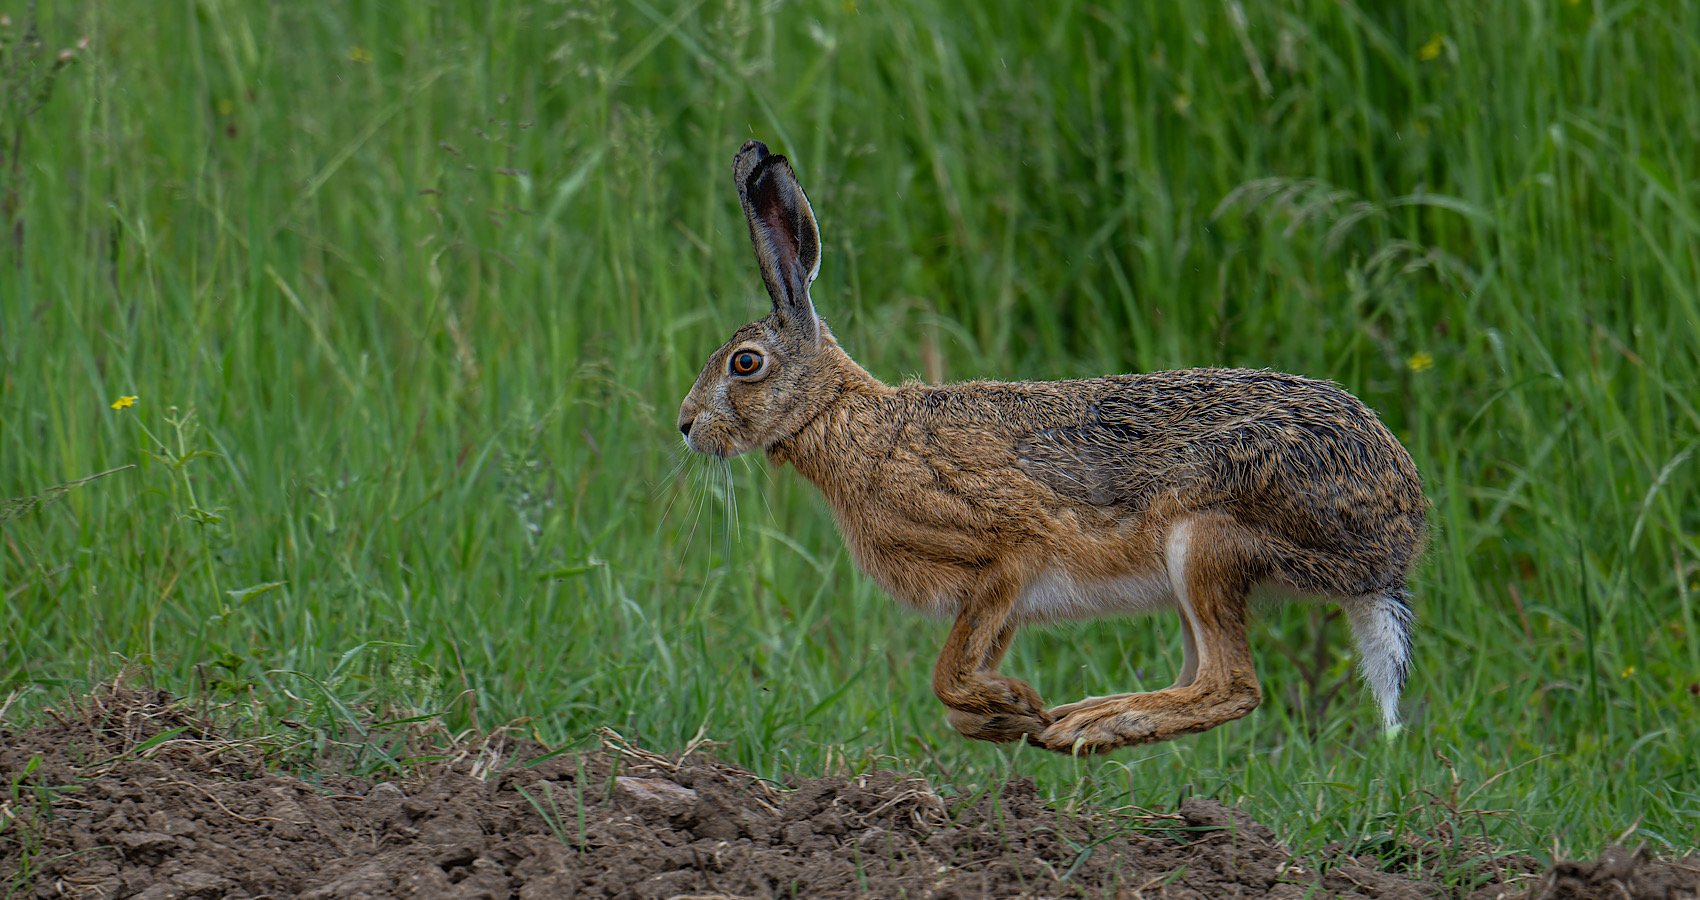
745,362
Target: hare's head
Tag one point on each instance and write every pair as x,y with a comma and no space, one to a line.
775,374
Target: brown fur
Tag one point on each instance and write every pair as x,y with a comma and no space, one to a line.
1007,503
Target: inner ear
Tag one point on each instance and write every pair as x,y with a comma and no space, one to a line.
780,222
784,211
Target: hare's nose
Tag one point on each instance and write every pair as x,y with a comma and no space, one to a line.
685,423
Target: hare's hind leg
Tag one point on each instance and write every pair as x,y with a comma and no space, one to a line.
1212,563
1188,672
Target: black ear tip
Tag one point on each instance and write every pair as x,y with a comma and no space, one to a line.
749,156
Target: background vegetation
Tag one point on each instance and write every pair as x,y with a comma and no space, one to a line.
409,293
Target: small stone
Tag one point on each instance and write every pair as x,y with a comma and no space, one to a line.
147,841
287,831
457,855
655,796
828,822
385,792
200,884
449,830
291,812
292,820
798,832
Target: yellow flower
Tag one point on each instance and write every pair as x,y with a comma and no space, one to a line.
1420,362
124,402
1628,672
1431,49
359,54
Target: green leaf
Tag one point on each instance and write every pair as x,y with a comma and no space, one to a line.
157,739
564,572
243,595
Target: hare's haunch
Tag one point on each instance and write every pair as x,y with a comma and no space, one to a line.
1006,503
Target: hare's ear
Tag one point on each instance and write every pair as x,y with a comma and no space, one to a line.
783,231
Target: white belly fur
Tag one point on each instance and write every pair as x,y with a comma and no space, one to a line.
1056,595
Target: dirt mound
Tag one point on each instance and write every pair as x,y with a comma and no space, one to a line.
134,797
1620,873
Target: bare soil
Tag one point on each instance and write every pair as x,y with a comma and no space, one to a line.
97,805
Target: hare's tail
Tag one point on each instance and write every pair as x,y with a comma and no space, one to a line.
1381,623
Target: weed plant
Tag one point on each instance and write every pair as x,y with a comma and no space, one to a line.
407,295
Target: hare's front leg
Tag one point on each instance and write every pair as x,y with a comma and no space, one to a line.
984,705
1212,564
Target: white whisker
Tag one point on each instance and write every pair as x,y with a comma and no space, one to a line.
680,459
698,482
672,481
734,527
760,489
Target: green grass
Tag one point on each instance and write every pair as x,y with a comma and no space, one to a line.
433,277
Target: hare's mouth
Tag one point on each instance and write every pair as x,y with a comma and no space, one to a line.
699,443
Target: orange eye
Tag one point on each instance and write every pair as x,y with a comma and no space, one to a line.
745,362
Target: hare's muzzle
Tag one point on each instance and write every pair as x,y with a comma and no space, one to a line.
688,412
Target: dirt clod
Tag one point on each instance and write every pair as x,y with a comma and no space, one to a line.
1622,872
191,817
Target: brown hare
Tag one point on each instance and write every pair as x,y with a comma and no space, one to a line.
1001,503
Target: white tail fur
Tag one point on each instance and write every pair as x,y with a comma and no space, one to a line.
1381,624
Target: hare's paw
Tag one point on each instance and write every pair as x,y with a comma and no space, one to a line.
1020,695
999,729
1102,724
1105,723
997,708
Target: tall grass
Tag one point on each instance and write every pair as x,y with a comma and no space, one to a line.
425,283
